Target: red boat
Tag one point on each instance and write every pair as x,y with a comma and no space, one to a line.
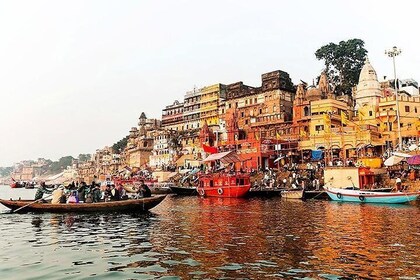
224,185
16,184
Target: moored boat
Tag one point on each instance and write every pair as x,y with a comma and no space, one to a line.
132,205
292,194
224,184
362,196
179,190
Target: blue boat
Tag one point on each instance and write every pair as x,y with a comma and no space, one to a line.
361,196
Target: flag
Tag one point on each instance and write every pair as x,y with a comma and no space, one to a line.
209,149
344,118
278,136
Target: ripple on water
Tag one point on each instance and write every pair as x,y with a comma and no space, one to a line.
195,238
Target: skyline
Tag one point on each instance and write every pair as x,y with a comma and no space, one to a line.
64,67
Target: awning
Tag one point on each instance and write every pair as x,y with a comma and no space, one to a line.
225,157
414,160
393,160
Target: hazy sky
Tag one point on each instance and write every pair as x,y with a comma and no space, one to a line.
75,75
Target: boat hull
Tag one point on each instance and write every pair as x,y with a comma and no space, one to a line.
292,194
183,190
361,196
130,205
228,191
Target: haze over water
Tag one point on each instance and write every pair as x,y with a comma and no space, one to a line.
195,238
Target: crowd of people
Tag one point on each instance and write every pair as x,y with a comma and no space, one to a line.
95,192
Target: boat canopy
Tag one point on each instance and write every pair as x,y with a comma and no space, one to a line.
225,157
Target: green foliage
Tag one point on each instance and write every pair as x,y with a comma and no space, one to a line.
5,171
84,157
120,145
343,63
61,164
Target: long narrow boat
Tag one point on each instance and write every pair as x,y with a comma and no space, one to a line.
131,205
362,196
179,190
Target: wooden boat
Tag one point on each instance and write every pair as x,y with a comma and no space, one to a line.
15,185
131,205
362,196
264,192
224,185
180,190
292,194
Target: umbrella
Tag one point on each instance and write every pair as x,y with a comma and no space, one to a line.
401,155
393,160
414,160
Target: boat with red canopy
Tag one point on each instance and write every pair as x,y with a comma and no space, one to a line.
224,183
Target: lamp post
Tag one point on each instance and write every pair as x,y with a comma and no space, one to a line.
393,53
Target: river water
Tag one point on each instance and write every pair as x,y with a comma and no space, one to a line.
204,238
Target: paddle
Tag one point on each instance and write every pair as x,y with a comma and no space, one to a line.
24,206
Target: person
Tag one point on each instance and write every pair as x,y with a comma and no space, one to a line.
96,193
115,194
398,183
73,198
81,192
41,191
57,195
145,189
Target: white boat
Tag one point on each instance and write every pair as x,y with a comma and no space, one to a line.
361,196
292,194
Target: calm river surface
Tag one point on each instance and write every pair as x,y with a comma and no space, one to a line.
195,238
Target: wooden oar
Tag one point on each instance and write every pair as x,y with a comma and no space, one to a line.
24,206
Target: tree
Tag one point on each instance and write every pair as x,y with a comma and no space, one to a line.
61,164
84,157
120,145
343,63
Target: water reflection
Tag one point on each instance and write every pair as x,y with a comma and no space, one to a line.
190,237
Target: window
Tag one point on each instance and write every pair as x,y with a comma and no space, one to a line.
319,127
370,113
407,109
242,114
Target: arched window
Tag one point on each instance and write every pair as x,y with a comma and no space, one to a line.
306,111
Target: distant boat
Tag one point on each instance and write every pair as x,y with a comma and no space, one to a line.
132,205
362,196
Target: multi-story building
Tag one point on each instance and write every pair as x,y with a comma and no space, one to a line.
172,116
191,114
140,142
254,117
165,148
209,104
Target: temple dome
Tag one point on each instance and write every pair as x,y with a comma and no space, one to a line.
367,73
313,94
